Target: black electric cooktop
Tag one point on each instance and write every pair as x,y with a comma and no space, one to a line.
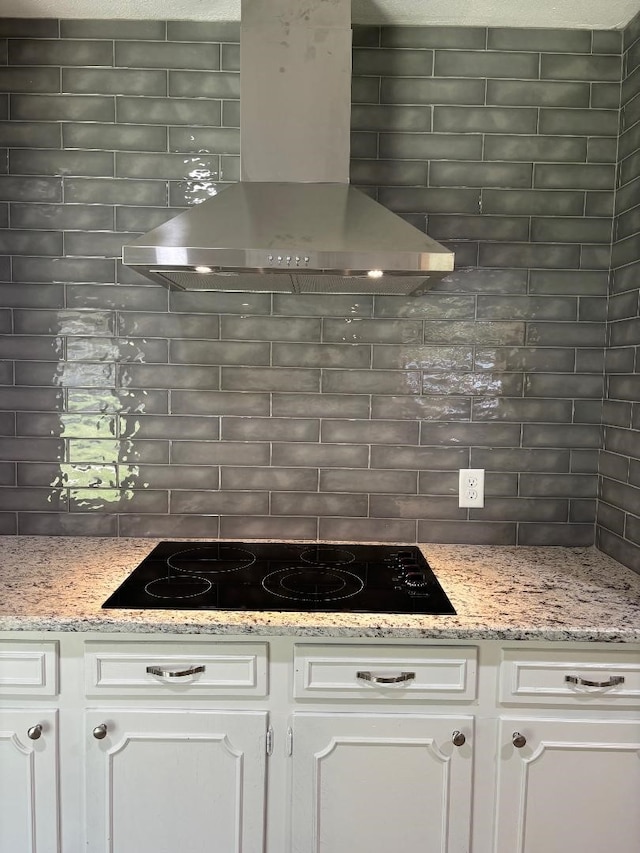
276,576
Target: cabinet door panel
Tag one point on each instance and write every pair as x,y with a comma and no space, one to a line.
164,781
28,783
380,782
573,786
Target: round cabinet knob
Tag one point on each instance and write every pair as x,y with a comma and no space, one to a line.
518,740
458,739
100,731
34,732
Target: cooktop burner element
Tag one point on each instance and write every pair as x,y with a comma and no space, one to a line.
311,583
210,559
283,576
327,555
177,588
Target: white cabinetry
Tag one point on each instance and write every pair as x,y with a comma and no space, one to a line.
162,781
380,782
167,772
28,781
569,775
29,817
573,787
211,744
376,768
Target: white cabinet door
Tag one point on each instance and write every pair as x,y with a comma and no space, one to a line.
28,782
169,781
375,783
574,787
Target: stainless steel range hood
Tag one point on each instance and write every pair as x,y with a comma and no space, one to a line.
293,223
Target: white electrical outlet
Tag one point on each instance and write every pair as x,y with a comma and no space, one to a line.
471,487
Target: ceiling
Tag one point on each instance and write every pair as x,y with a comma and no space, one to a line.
573,14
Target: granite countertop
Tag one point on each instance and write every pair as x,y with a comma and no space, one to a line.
499,592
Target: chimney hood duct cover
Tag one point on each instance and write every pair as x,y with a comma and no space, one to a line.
293,223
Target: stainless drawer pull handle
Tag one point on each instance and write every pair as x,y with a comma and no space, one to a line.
518,740
458,738
584,682
365,675
34,732
100,731
174,673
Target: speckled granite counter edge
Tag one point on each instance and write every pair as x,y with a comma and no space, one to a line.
250,627
57,584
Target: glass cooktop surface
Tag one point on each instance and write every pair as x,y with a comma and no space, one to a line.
283,577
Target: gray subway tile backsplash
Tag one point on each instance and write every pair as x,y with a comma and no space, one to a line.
29,27
427,146
591,176
537,93
141,412
183,84
57,52
425,90
198,140
533,202
320,504
193,352
112,29
272,479
412,356
23,134
219,453
211,501
536,149
471,532
270,429
389,118
559,66
62,108
553,41
116,81
66,524
425,37
486,64
268,527
211,31
114,137
116,191
29,80
577,122
148,54
381,62
510,175
321,405
433,408
571,535
419,458
489,119
33,216
299,454
166,111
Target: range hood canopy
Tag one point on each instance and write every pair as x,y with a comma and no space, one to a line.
293,223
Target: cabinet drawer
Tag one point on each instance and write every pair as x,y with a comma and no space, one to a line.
573,677
368,672
28,668
229,669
